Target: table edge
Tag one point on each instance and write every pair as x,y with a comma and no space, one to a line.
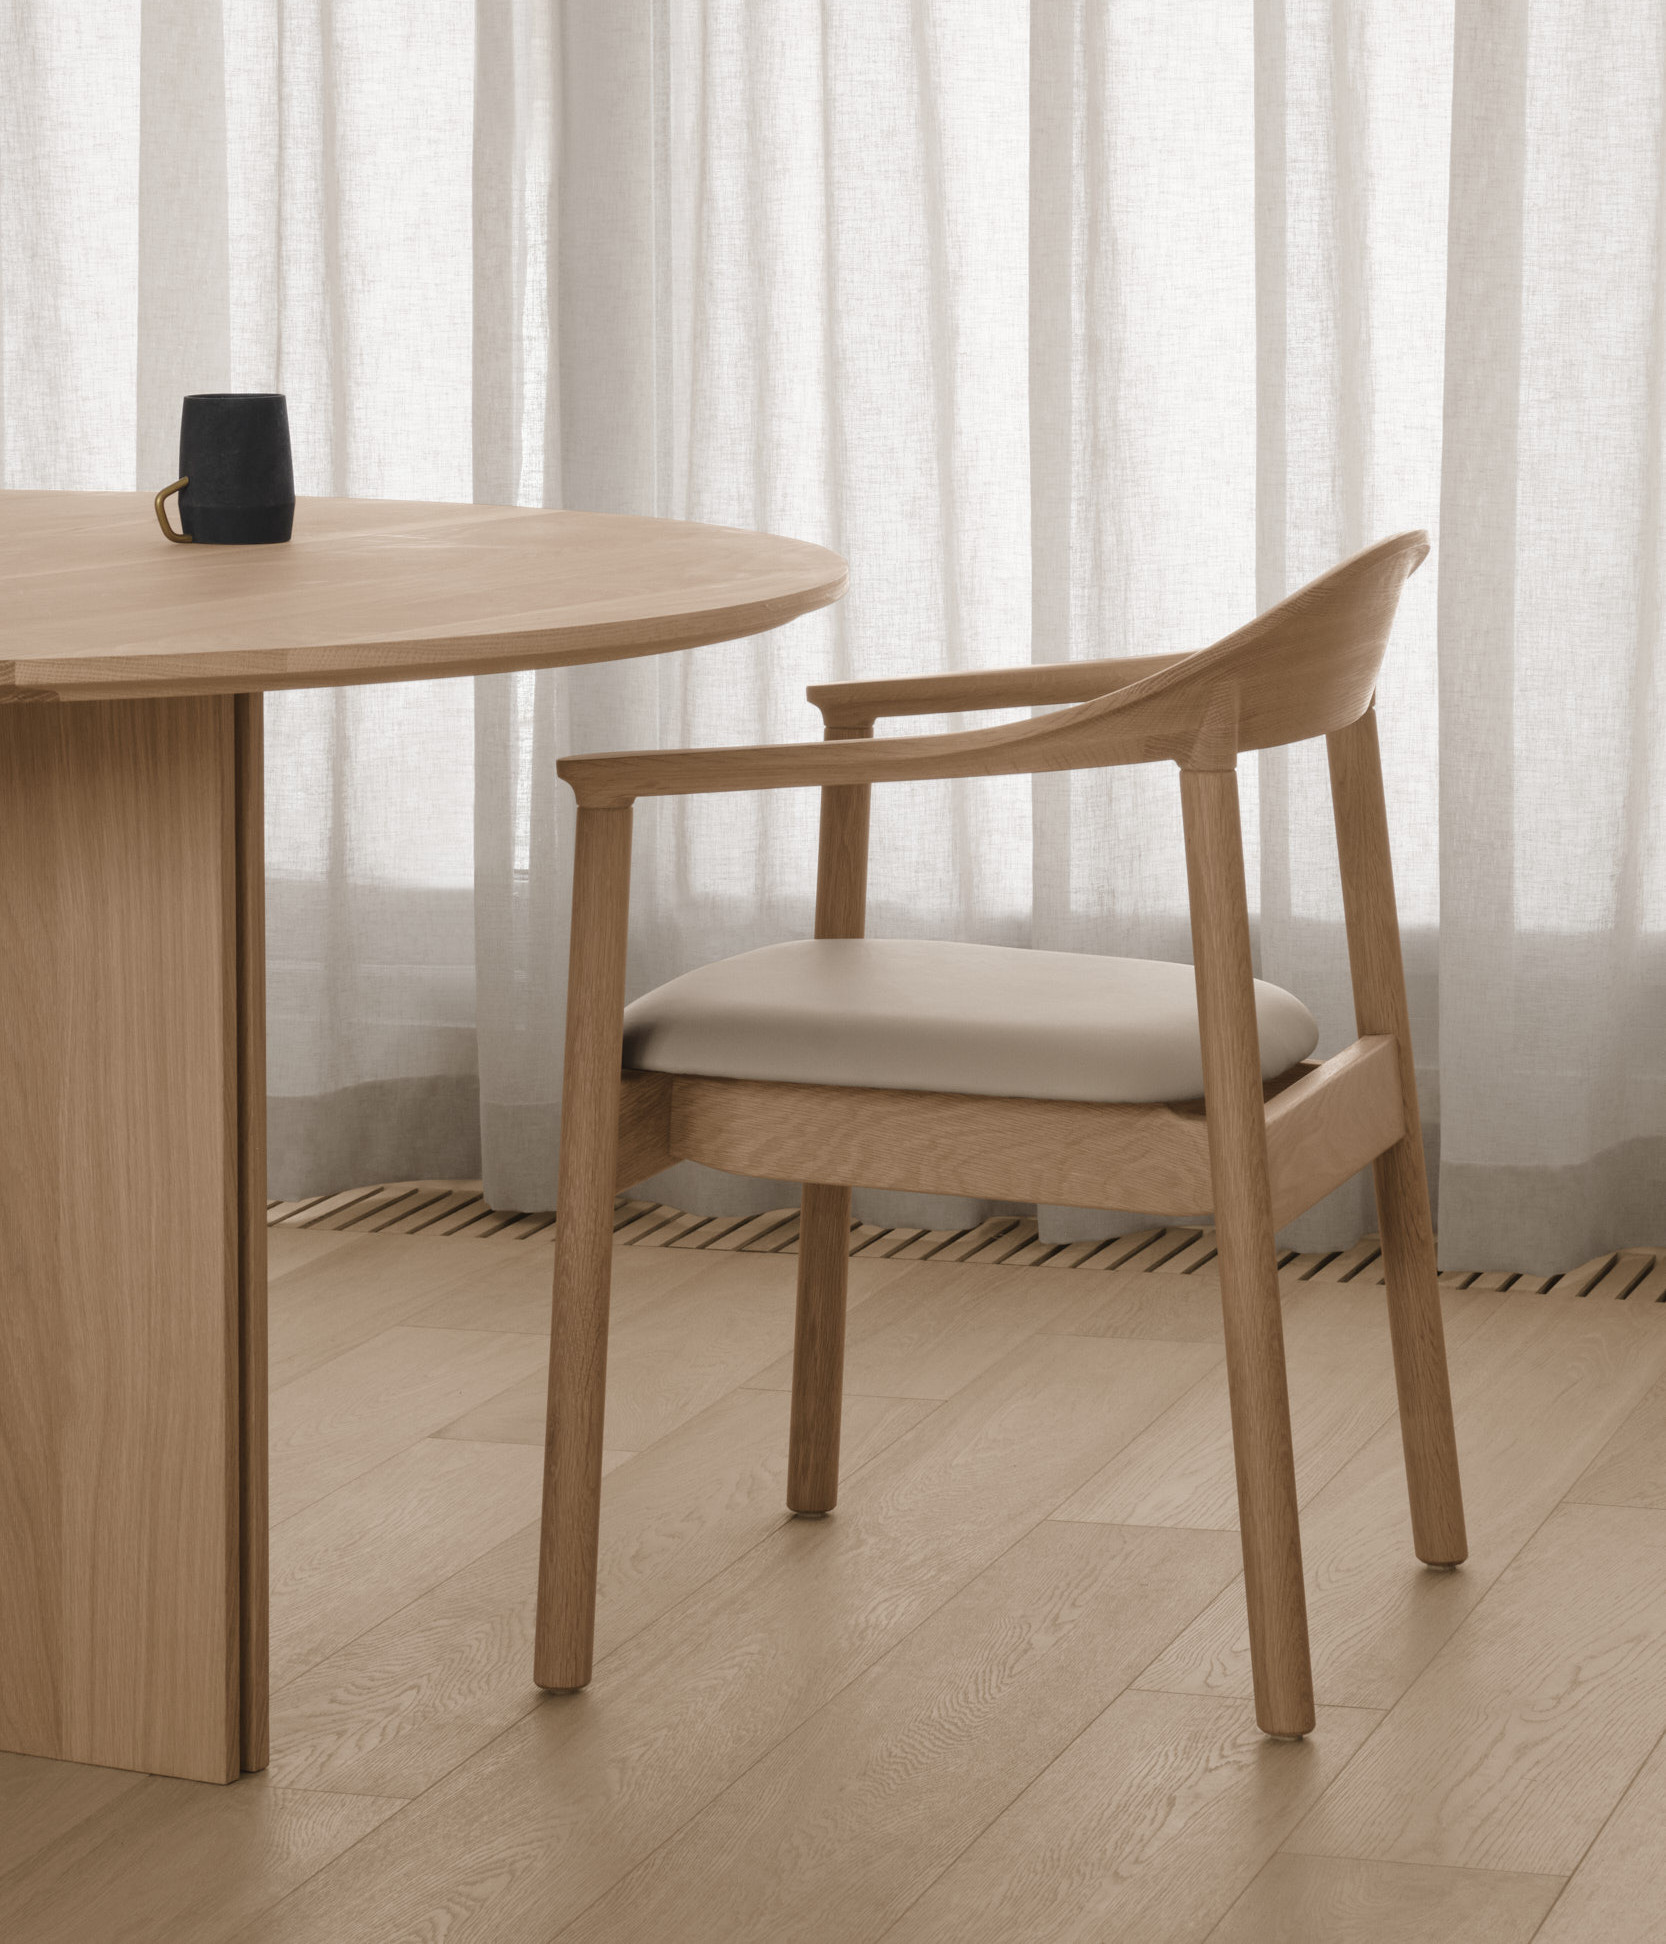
248,671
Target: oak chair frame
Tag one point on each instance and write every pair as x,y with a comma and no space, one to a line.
1255,1153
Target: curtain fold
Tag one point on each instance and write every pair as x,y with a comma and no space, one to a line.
1080,328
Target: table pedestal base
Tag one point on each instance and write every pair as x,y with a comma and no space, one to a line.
132,1235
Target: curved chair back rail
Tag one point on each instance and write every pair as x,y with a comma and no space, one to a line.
1254,1151
1305,667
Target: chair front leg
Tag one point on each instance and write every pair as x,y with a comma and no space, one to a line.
819,1350
1254,1327
566,1626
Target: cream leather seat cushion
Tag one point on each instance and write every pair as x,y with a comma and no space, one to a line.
932,1016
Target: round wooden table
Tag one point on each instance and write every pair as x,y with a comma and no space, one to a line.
133,1540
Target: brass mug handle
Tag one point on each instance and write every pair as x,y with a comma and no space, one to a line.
179,539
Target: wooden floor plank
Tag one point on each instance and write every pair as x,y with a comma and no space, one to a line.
382,1541
1146,1830
667,1358
405,1702
509,1287
1180,1470
719,1324
41,1800
356,1291
842,1705
180,1862
289,1249
933,1327
909,1763
1512,1748
1340,1900
1618,1893
347,1416
1128,1302
1133,1302
690,1703
1631,1468
1540,1385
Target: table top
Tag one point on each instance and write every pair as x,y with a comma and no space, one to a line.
95,603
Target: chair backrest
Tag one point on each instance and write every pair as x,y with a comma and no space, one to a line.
1305,667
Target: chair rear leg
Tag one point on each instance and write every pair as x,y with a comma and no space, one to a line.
1437,1511
1264,1456
568,1552
819,1349
1419,1339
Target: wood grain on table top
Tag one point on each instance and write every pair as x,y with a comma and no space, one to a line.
95,603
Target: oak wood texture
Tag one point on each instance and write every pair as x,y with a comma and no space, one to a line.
172,1862
1407,1234
1513,1745
818,1350
1619,1889
686,1705
854,707
1148,1826
1541,1383
94,603
849,1745
1180,1470
132,1408
1306,667
253,1536
1243,1205
1066,1151
583,1248
1048,1638
1631,1468
644,1128
1342,1900
120,1275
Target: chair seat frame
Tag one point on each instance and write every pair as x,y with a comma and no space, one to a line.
1256,1154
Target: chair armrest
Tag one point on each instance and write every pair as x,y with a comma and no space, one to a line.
850,705
1169,708
617,778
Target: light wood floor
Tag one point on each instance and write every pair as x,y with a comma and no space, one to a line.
1000,1695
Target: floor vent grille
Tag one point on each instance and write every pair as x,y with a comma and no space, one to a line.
456,1209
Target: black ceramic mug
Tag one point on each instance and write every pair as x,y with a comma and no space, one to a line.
236,481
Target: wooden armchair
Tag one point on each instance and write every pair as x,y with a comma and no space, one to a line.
1271,1134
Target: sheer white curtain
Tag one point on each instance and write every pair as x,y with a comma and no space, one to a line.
1081,327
